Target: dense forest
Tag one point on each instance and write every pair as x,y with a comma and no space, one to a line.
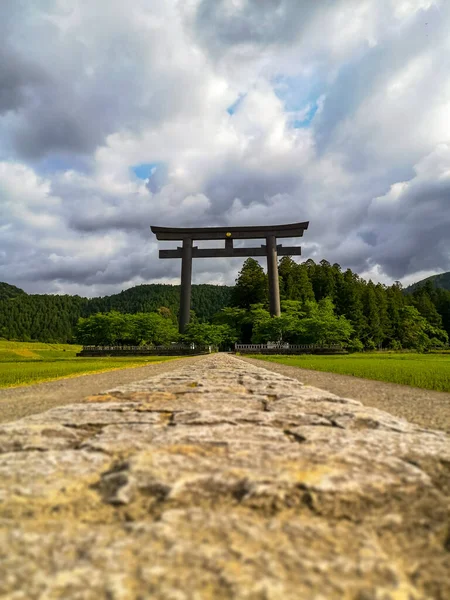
380,316
320,303
51,318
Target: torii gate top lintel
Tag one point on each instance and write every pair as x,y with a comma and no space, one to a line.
222,233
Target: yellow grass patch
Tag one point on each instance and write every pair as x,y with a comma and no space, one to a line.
26,353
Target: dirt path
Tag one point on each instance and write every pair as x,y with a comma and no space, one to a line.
19,402
424,407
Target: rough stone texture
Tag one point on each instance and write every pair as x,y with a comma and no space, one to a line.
426,408
223,480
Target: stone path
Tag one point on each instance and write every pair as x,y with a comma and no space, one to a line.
222,479
424,407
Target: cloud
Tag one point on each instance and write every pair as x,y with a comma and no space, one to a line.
339,116
411,222
253,22
86,81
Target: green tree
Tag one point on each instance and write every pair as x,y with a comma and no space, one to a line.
412,329
152,328
322,326
52,318
442,300
395,304
423,298
373,334
438,337
205,334
313,323
285,269
382,304
349,302
274,329
323,281
294,281
251,285
166,313
8,291
104,329
116,328
239,320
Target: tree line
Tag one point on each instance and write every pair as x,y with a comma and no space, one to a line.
52,318
320,304
365,315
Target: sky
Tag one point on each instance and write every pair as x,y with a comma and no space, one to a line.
115,116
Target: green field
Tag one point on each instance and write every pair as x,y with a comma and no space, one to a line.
23,363
429,371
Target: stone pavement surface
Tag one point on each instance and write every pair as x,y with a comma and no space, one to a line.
223,480
424,407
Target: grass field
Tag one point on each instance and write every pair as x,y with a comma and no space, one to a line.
429,371
23,363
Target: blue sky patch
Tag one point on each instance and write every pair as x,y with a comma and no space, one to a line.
146,170
233,107
155,173
299,95
298,92
306,122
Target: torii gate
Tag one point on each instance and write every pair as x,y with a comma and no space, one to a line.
187,252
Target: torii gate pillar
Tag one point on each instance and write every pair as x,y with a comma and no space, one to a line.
187,252
186,284
272,273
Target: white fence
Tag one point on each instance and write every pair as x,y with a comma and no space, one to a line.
283,346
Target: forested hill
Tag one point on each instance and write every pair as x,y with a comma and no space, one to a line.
9,291
206,299
441,281
50,318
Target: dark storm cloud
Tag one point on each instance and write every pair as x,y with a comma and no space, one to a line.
47,131
413,233
120,219
101,271
17,78
134,217
72,88
258,22
404,231
139,263
236,182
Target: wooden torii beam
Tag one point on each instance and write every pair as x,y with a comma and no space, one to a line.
187,252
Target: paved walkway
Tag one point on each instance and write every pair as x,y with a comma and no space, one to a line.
424,407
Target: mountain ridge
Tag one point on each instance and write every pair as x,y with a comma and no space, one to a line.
441,280
10,291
